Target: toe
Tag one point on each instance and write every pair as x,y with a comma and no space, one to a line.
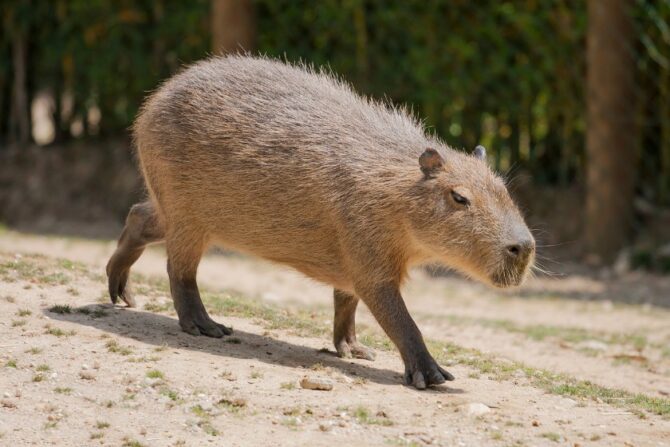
361,352
418,381
128,298
211,330
191,329
447,375
226,330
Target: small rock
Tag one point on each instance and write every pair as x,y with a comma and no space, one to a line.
6,394
84,366
315,383
86,375
477,409
6,403
535,423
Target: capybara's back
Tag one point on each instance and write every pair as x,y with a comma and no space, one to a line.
270,159
291,165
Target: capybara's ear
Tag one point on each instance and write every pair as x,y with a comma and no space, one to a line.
431,162
480,152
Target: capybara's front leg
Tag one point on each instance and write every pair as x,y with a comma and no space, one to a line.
388,307
184,255
344,328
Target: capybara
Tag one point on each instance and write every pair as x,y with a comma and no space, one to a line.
288,163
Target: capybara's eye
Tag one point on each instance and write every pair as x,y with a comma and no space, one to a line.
459,199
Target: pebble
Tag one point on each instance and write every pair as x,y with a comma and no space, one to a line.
477,409
593,345
313,383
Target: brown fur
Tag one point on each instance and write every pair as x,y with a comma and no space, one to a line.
291,165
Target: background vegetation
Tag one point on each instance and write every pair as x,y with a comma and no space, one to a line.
507,74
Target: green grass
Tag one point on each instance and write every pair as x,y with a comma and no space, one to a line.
155,374
10,363
153,306
170,394
38,378
58,332
23,313
364,417
541,332
113,346
204,420
127,442
61,309
100,425
63,390
34,351
43,368
555,437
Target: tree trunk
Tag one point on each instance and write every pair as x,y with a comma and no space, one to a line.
233,26
610,138
19,120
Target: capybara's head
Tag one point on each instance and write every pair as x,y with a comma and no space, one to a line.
463,215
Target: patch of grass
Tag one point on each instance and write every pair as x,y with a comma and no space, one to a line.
63,390
98,435
204,420
233,340
58,332
27,268
256,375
43,368
34,351
364,417
170,394
61,309
18,323
232,405
38,378
401,441
555,437
155,374
153,306
113,346
128,442
287,385
23,313
100,425
73,291
10,363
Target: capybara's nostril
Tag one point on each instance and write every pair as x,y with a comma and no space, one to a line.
521,249
514,250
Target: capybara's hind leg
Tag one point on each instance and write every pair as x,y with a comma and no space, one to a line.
184,252
344,330
142,228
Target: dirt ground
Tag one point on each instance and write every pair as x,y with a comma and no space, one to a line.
547,364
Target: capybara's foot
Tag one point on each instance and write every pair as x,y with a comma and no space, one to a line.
424,372
117,282
204,325
355,350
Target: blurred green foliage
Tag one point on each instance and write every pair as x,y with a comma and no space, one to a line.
506,74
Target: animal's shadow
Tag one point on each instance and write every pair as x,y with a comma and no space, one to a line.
161,330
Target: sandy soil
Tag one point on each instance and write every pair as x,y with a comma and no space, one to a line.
99,375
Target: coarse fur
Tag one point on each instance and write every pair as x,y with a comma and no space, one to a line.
291,165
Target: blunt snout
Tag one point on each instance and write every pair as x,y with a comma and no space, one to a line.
522,249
